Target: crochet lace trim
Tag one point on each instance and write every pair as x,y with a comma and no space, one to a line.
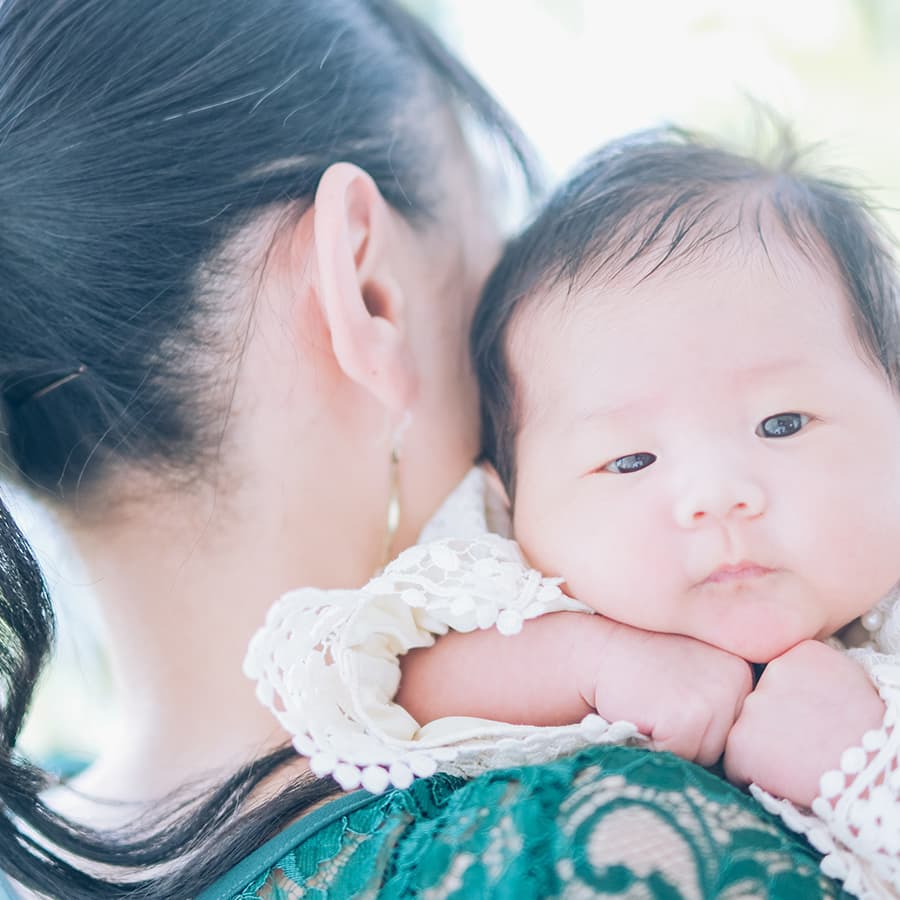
327,665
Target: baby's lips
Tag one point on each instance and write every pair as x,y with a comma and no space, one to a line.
742,571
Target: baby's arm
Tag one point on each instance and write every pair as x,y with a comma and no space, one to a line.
525,679
328,665
681,693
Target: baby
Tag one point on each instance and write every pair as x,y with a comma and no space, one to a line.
691,398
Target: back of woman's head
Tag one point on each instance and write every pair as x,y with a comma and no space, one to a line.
136,138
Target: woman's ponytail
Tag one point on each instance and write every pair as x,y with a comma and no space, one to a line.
26,638
26,627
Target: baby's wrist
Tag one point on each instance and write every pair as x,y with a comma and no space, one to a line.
594,648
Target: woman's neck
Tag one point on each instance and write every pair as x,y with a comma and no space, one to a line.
183,582
185,576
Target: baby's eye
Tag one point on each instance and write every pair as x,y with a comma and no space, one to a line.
782,425
634,462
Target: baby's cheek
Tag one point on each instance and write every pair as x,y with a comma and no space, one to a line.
617,557
856,546
631,584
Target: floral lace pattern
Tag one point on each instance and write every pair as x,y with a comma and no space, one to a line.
608,822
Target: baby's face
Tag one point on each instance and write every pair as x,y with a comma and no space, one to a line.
710,453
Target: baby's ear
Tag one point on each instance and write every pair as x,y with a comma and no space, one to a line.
495,485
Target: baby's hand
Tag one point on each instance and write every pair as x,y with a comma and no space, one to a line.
683,694
810,705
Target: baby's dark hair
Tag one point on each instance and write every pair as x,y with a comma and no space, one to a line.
666,198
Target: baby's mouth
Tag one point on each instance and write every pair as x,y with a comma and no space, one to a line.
736,573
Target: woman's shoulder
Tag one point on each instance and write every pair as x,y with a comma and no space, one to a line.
606,820
307,853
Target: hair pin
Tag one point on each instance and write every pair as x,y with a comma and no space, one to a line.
47,388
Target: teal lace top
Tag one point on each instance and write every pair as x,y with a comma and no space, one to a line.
608,822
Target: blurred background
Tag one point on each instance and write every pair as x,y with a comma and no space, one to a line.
576,73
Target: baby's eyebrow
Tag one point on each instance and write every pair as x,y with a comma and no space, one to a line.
772,368
591,415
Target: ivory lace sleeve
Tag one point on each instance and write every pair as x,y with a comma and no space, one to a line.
855,820
327,664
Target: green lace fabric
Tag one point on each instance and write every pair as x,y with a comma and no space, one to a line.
608,822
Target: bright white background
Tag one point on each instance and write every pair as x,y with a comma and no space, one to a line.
578,72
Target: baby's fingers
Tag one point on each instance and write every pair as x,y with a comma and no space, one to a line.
696,726
692,732
725,711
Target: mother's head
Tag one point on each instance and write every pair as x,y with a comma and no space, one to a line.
238,242
158,160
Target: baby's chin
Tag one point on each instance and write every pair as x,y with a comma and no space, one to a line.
758,639
761,651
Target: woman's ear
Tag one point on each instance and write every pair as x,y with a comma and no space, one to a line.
361,300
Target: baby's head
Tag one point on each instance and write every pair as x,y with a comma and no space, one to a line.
689,372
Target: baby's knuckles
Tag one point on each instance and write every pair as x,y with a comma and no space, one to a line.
705,712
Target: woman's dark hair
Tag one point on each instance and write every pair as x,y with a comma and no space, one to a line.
136,138
666,198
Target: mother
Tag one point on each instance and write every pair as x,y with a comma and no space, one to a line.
238,242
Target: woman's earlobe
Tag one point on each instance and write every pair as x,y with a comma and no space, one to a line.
361,300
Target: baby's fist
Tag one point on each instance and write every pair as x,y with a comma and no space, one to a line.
810,705
683,694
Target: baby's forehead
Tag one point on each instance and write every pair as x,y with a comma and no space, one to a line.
649,257
661,317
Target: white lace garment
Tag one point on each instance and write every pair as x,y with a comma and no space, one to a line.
326,663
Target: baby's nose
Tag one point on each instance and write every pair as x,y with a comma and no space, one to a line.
719,499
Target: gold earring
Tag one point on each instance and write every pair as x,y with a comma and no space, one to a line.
393,509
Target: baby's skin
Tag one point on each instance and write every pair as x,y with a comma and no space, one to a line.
711,461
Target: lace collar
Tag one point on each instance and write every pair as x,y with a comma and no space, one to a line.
471,509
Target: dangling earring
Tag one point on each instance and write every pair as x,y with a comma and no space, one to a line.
393,509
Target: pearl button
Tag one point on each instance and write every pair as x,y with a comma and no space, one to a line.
872,620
